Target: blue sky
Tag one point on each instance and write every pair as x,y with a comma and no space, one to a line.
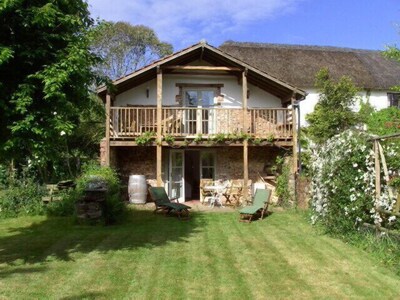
364,24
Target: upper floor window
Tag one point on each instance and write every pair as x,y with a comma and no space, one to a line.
394,99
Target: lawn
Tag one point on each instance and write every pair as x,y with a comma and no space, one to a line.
212,256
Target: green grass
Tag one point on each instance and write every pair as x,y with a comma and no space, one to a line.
212,256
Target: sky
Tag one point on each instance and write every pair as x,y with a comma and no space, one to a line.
362,24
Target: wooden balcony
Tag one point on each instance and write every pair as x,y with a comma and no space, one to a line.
187,122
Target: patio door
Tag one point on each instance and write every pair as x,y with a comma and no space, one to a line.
200,120
176,175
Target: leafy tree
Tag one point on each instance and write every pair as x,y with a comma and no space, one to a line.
333,112
126,48
45,77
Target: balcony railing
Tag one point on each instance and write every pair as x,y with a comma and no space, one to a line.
187,121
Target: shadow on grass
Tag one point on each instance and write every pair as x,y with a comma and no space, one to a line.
20,270
60,238
91,295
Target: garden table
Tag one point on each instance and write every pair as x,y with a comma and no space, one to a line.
217,191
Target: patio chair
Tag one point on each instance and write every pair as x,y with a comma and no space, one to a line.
163,203
205,195
260,206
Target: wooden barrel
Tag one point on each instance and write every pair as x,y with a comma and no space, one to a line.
137,189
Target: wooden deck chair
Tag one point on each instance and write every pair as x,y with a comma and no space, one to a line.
260,206
163,203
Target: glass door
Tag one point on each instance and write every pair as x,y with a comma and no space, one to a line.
176,175
200,120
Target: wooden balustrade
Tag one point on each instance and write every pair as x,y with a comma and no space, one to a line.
128,122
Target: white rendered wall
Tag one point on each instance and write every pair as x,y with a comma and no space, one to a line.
231,90
378,99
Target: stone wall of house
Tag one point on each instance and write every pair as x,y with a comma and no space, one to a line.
136,161
230,162
142,160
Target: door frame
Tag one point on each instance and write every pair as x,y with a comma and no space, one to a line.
171,167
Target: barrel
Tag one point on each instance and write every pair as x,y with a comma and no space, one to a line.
137,189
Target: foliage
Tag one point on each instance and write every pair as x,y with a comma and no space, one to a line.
125,48
282,189
270,137
392,52
343,184
22,197
385,121
45,77
257,141
65,207
365,112
218,138
333,113
198,138
169,139
145,138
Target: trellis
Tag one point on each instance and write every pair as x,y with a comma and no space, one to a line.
380,160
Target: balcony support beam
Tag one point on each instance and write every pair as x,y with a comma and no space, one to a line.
108,120
159,133
245,142
294,134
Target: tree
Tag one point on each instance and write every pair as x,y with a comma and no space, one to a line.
45,77
333,112
125,48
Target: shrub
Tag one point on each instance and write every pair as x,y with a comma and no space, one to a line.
22,198
282,182
65,207
343,183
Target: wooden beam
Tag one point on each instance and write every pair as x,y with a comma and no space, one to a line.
377,173
159,133
108,119
199,85
294,140
202,68
245,142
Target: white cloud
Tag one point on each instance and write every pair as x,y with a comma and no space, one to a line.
186,22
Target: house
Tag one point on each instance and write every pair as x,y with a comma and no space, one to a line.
370,70
213,116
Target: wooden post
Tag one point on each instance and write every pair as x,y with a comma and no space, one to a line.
377,171
108,118
294,134
245,142
159,136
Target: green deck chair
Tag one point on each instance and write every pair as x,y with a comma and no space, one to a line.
163,203
260,206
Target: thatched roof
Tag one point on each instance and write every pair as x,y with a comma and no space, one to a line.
298,65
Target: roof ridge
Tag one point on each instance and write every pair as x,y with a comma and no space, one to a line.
295,46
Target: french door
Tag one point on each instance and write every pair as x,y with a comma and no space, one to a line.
200,120
176,174
206,163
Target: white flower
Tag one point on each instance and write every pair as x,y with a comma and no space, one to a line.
392,219
355,165
62,133
55,113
